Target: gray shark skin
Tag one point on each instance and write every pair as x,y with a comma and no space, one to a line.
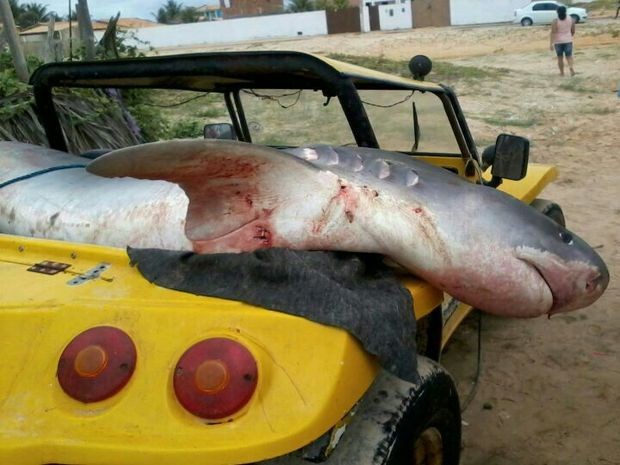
479,245
481,240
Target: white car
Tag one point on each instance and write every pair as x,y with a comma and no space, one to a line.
545,12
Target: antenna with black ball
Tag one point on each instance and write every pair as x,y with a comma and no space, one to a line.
420,66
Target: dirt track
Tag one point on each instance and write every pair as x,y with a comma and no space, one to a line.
548,393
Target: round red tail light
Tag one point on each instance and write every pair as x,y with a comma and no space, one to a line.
215,378
96,364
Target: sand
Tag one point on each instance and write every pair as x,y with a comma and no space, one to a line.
549,391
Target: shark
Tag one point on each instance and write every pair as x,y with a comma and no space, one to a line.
478,244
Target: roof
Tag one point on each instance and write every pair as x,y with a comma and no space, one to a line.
125,23
135,23
41,28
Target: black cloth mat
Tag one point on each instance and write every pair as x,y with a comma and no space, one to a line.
356,292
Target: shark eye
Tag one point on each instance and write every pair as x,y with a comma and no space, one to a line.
566,237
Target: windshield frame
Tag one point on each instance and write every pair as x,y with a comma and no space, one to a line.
230,72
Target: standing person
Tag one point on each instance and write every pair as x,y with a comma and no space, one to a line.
561,37
617,9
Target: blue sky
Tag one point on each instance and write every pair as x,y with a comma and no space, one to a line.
103,9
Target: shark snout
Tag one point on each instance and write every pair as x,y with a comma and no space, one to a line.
598,283
576,284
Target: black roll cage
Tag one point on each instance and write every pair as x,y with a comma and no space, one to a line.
230,72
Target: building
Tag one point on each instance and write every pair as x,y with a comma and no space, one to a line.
38,32
463,12
210,12
226,9
384,15
66,39
239,8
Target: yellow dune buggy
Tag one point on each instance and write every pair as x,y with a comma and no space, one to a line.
101,366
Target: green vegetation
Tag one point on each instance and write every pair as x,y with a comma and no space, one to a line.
186,128
182,113
29,14
579,85
505,118
212,112
14,94
611,29
379,63
102,118
332,5
297,6
447,72
173,12
596,110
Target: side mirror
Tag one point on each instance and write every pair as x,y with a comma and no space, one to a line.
511,157
219,131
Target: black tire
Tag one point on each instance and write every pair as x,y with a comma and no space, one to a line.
526,22
576,18
550,209
430,424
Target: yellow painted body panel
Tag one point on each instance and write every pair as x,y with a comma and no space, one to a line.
365,75
310,375
527,189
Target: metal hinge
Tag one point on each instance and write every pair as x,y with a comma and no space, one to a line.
91,274
48,267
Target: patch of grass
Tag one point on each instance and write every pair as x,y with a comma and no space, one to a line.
442,71
184,113
590,31
185,128
595,110
507,119
447,72
379,63
578,85
211,112
607,55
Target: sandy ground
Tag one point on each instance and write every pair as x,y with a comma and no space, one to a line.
549,389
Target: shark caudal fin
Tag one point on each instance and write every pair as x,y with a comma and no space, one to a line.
233,187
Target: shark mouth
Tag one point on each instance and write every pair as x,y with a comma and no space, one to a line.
533,258
574,284
554,299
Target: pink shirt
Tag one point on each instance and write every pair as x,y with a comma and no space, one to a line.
563,34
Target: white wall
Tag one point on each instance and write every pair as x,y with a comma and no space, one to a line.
365,19
401,15
482,11
234,30
399,20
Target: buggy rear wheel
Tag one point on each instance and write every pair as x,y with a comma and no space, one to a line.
429,432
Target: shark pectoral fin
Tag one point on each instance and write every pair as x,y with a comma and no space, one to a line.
232,186
218,209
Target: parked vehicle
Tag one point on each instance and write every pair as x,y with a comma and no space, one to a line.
96,357
545,12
